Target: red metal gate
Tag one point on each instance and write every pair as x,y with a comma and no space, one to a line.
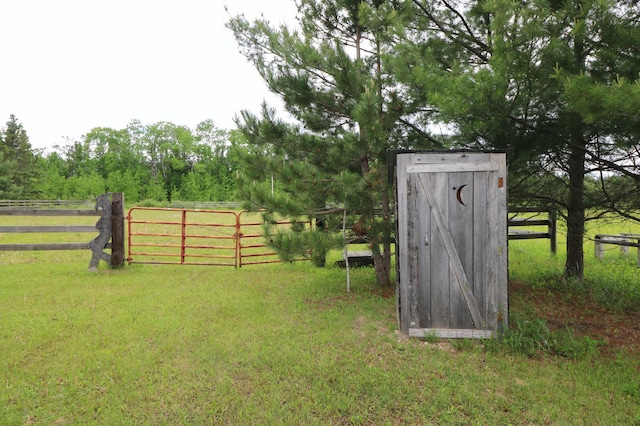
252,245
197,237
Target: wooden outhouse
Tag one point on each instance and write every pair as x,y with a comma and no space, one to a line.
451,243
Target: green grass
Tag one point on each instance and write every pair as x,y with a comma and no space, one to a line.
611,282
279,344
271,344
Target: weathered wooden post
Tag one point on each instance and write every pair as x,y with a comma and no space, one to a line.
98,244
111,227
630,238
598,246
117,230
552,231
624,250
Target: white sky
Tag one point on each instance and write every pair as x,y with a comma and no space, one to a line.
68,66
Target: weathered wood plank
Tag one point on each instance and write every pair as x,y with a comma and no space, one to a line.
353,254
117,230
34,212
621,240
454,259
420,234
461,218
440,275
14,204
452,167
549,222
528,222
451,333
51,246
619,236
481,235
527,235
46,246
417,259
46,229
402,257
526,210
497,248
618,242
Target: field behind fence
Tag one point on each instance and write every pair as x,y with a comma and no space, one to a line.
274,344
158,236
201,237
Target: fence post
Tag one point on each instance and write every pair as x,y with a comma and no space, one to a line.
599,247
117,230
624,250
104,224
238,236
553,230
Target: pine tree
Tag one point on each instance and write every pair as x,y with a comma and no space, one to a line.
497,73
330,76
8,189
15,147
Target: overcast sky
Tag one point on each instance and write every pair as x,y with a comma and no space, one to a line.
68,66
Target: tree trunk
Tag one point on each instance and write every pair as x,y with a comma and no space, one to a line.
574,268
382,260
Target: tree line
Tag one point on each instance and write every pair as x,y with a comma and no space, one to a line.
157,162
553,83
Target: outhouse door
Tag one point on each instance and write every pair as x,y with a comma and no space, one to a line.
452,243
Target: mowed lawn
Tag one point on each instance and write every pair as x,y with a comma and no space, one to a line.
268,344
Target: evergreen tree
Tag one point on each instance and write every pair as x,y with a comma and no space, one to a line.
495,72
15,147
8,189
330,76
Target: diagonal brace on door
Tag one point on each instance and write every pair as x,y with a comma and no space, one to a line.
454,259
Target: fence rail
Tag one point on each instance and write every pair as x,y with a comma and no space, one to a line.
181,236
110,226
197,237
206,205
42,212
46,229
533,217
241,242
623,240
43,204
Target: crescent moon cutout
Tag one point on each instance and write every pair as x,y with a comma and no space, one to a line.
459,194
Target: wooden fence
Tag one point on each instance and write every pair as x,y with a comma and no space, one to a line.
543,219
623,240
110,226
44,204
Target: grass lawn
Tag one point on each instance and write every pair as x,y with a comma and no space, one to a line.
286,344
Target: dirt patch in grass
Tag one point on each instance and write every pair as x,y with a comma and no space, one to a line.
386,292
619,331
